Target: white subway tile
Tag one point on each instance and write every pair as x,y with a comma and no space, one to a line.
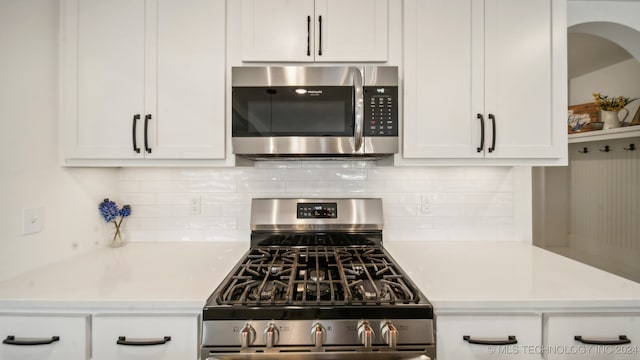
464,203
360,187
289,174
163,186
261,186
408,186
343,174
135,199
390,173
311,187
151,211
129,186
212,185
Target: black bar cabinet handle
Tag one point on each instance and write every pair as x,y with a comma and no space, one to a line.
308,35
509,341
136,117
493,138
622,339
481,147
320,35
122,340
146,133
11,340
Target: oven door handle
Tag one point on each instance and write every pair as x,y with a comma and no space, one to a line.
358,109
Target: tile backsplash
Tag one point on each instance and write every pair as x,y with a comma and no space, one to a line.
420,203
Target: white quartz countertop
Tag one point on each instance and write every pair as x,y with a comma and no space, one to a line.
459,275
138,275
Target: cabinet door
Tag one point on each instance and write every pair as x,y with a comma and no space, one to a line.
189,85
278,30
561,331
518,84
121,336
61,337
351,30
526,329
443,79
103,77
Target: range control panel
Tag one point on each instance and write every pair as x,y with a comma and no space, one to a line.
317,210
381,111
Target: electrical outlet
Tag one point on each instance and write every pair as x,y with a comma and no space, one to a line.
32,220
194,205
426,204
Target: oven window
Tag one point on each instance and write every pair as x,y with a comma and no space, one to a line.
293,111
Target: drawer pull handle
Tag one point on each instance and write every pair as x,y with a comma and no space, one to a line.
122,340
622,339
509,341
11,340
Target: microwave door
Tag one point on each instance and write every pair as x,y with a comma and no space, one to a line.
314,120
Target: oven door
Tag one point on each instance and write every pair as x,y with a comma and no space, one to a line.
301,111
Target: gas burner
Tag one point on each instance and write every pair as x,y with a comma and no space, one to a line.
316,275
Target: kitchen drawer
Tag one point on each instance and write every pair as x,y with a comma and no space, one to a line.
561,331
166,336
44,337
489,330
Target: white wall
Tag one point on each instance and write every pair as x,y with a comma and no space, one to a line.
31,175
622,79
618,21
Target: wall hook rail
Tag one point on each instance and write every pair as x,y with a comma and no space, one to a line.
606,149
584,150
631,147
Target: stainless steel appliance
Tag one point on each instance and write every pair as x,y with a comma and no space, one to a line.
317,283
301,111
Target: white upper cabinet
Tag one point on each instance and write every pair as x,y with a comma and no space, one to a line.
104,77
143,79
493,87
315,30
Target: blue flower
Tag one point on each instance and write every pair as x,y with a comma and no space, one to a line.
109,210
125,211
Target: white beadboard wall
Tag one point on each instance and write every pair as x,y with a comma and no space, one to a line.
464,203
605,200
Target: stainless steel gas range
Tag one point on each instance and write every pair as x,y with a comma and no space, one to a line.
317,284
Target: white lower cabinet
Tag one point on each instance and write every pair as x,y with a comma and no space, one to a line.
592,336
142,337
488,336
44,337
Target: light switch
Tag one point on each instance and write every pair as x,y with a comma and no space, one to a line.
32,220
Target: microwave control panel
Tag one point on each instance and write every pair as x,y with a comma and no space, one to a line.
380,111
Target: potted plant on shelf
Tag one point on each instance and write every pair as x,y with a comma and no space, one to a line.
610,107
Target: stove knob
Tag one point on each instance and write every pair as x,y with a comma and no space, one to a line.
318,335
366,334
247,336
390,334
271,335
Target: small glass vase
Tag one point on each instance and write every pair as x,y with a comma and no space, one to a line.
118,239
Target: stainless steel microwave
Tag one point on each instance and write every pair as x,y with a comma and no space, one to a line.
302,111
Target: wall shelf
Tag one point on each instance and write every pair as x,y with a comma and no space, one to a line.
610,134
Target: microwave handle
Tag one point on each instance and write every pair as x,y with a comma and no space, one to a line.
359,108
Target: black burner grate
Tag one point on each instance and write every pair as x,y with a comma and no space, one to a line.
317,275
